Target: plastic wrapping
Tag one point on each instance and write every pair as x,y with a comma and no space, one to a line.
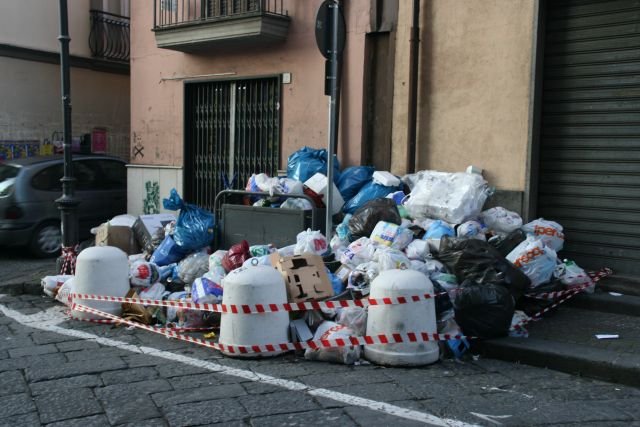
144,274
417,250
358,252
391,259
236,256
549,231
477,260
352,179
360,278
384,233
154,291
168,252
451,197
206,291
354,318
483,310
572,276
438,229
296,203
306,162
193,266
500,220
182,317
194,227
403,239
369,192
535,259
310,242
365,219
471,230
329,331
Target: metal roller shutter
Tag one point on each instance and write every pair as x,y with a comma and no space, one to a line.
590,141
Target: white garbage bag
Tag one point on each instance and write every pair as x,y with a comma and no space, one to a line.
535,259
549,231
310,242
501,221
329,331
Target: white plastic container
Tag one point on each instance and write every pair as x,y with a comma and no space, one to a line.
101,270
318,183
254,285
402,318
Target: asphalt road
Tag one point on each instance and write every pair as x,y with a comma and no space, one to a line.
59,372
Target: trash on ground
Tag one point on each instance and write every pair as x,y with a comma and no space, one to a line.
411,262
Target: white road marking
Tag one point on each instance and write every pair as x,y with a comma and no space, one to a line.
49,319
490,418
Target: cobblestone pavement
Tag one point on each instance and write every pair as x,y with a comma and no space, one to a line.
17,267
58,372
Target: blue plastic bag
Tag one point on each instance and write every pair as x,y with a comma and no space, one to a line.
194,227
306,162
336,283
438,229
168,252
369,192
352,179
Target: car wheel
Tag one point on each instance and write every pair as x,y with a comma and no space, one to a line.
46,240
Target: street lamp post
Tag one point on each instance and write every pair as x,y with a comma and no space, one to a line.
67,203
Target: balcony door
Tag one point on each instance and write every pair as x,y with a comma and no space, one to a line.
232,130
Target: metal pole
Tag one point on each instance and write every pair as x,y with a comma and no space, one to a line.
414,43
67,203
333,115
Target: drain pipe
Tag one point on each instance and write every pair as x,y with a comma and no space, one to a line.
414,54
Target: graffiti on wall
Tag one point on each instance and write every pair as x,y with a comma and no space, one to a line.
151,202
137,148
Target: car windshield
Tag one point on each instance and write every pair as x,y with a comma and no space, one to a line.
7,172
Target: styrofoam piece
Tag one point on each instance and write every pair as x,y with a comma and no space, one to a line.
386,178
318,183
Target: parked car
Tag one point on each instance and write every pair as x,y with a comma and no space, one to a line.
29,215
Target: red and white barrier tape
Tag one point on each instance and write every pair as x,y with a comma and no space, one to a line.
409,337
596,276
119,321
262,308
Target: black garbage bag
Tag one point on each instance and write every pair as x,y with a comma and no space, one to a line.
367,216
477,260
483,310
443,302
504,245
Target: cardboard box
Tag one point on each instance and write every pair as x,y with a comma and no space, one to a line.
318,183
342,273
119,236
147,225
305,276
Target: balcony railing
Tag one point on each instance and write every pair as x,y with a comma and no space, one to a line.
171,13
109,36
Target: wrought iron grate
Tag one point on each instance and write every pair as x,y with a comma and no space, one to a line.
232,130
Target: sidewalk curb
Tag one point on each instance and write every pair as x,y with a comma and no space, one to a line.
574,359
625,304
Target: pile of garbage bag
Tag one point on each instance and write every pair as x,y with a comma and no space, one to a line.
483,264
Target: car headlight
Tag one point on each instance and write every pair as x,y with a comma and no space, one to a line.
6,187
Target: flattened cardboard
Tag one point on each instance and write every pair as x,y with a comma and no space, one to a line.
146,226
119,236
305,276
